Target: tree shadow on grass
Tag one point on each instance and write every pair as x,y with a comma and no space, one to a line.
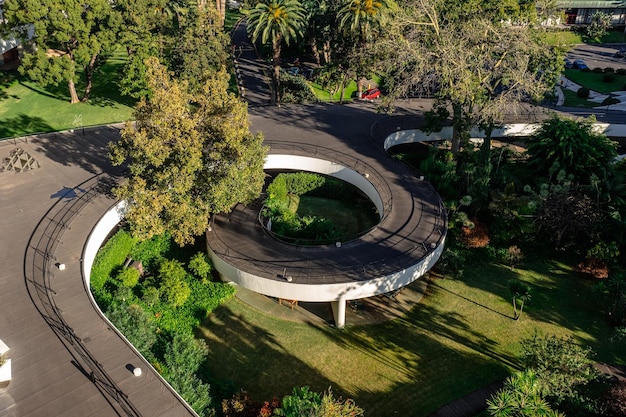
23,124
244,356
58,92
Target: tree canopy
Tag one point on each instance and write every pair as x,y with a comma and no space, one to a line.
478,60
189,156
573,146
275,21
69,36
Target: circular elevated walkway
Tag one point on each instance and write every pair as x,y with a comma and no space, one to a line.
406,243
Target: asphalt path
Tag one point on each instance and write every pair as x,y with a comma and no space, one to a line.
598,55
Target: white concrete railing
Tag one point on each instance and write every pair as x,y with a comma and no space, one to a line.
99,234
509,130
327,292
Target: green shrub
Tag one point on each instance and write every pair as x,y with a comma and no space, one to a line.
129,277
151,296
583,92
182,358
608,78
598,70
300,183
135,325
200,265
621,71
111,256
173,285
151,251
609,70
295,89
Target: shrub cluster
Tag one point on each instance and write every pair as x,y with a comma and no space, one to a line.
159,312
583,92
294,89
608,78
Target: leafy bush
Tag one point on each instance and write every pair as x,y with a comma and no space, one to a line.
200,265
609,70
111,256
598,70
173,285
513,255
561,364
135,325
583,92
295,89
608,78
151,251
128,277
182,358
621,71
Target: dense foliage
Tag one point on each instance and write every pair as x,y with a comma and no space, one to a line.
557,378
189,155
159,311
282,205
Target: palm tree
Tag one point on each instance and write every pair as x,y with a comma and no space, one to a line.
362,18
520,291
276,20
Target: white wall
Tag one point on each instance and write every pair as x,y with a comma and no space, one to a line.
321,166
98,234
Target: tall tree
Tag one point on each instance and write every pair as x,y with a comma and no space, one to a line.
363,20
189,156
275,21
472,60
69,35
200,47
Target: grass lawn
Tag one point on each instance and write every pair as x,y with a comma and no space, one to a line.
349,218
572,100
570,37
26,107
461,337
593,81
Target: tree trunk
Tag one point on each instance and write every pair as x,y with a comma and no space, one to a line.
343,88
514,308
359,87
89,77
485,149
220,6
73,95
326,52
457,127
276,64
314,50
521,308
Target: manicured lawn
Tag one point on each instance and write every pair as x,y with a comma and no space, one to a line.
572,100
351,219
348,95
569,37
459,338
26,107
593,81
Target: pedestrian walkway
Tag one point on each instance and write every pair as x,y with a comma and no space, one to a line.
66,360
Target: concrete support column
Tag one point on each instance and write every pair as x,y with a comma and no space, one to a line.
339,311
